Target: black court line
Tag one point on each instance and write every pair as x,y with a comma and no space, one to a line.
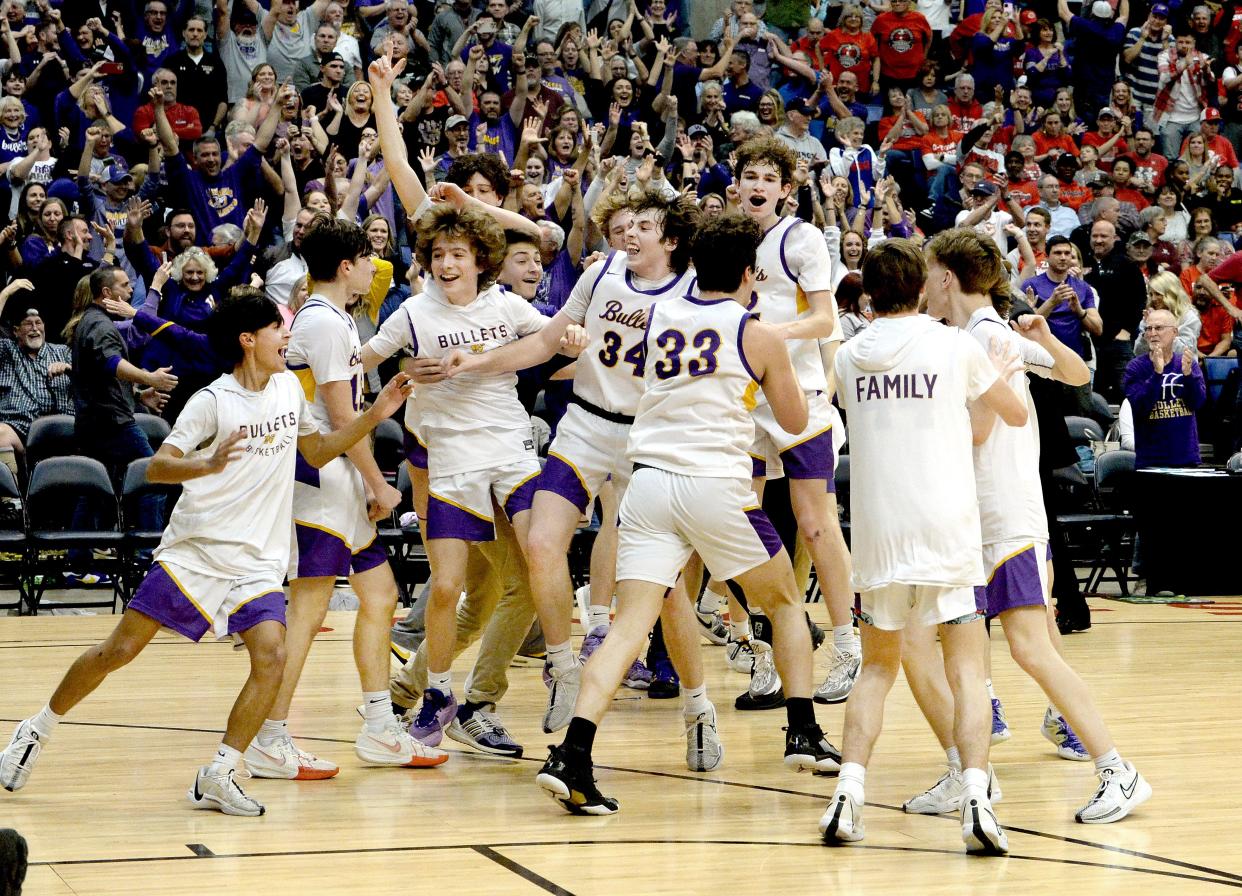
521,871
489,851
200,850
1229,877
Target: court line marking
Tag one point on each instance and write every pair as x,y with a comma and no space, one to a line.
200,850
489,850
1229,877
521,871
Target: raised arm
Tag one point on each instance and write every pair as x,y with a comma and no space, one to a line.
405,180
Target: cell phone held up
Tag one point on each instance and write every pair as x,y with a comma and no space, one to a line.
111,68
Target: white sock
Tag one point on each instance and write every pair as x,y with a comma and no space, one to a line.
1111,759
376,710
843,638
851,780
45,722
272,729
561,656
694,700
598,616
739,629
441,681
991,693
975,779
225,760
709,601
954,758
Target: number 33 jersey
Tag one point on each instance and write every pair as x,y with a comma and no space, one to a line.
612,304
695,416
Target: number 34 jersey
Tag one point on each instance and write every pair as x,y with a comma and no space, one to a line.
612,304
695,416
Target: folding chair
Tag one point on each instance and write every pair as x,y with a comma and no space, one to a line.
156,429
138,540
57,486
1101,536
389,448
50,436
13,542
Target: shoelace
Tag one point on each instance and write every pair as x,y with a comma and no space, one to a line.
1106,777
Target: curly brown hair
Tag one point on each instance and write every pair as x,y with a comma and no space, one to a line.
767,150
681,217
477,229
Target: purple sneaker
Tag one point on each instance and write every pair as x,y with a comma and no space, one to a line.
638,677
434,715
592,641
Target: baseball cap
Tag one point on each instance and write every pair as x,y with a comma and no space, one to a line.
983,188
1028,17
1160,10
802,107
1099,180
1102,9
454,121
332,56
696,130
116,174
1210,114
242,15
1139,236
1107,112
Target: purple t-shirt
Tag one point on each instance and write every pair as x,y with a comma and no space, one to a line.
1063,322
1164,405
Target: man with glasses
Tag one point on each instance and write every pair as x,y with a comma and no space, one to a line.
184,119
1165,388
34,379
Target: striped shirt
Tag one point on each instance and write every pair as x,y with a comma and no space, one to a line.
26,391
1143,74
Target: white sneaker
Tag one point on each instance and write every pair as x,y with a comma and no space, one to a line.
562,695
842,821
840,681
981,830
281,758
1121,791
740,656
704,751
946,794
18,758
395,746
765,690
222,793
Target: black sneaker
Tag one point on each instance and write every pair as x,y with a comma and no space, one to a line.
806,749
568,780
665,685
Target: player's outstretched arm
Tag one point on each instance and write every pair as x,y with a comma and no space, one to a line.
764,347
171,467
405,180
509,220
1068,366
320,448
560,335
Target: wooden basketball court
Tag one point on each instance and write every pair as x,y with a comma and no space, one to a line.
105,811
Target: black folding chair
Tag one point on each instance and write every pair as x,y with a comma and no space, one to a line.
140,540
156,429
404,544
389,448
13,541
54,523
1101,536
50,436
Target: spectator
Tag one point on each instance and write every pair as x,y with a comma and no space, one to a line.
1165,388
850,49
1097,38
1165,293
1046,65
1031,256
183,118
903,37
290,34
1063,219
57,276
1152,222
795,133
1119,289
1224,200
993,52
1148,165
310,69
201,79
241,47
965,109
1185,84
982,213
155,38
33,377
853,308
448,27
740,93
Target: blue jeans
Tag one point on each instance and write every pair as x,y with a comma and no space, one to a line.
115,449
1172,133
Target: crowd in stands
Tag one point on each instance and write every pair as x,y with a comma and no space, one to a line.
191,144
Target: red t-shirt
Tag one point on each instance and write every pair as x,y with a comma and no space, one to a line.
965,115
934,144
902,41
1025,194
909,137
1074,194
1045,143
1096,139
1150,170
850,53
1131,195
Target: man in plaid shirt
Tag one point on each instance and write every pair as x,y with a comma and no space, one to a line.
34,381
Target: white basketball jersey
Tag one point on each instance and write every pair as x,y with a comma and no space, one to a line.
694,417
792,261
238,522
612,304
397,333
1011,502
473,421
905,383
324,348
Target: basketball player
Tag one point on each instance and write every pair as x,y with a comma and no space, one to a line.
611,300
905,383
968,286
223,557
705,360
333,510
794,285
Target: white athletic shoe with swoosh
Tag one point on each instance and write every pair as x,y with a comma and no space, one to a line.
222,793
281,758
1121,791
395,746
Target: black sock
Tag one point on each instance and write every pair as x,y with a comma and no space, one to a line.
800,712
581,735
